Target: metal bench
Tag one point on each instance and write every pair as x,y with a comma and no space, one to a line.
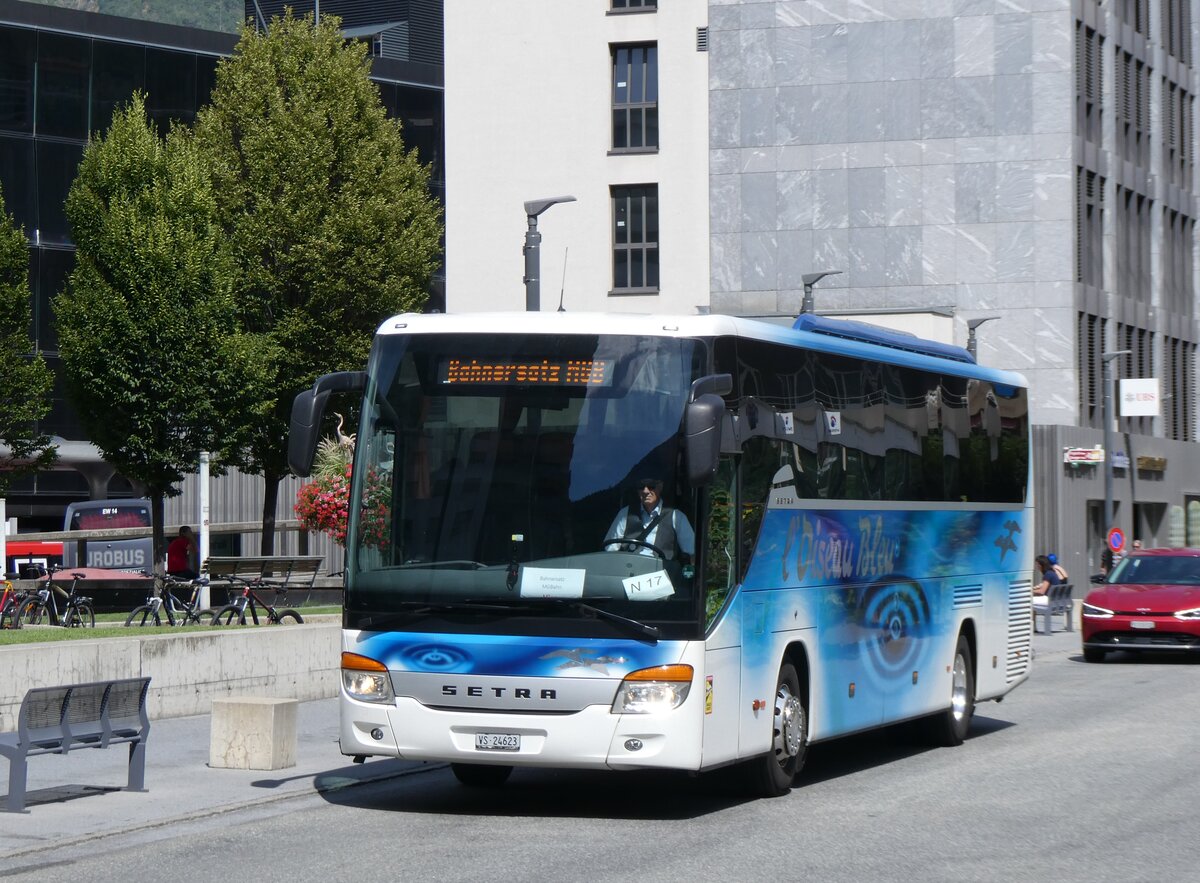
291,571
280,572
1058,600
55,720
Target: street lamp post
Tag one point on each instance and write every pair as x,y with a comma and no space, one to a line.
972,324
533,250
809,280
1106,374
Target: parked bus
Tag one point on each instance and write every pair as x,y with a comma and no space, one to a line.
131,554
858,502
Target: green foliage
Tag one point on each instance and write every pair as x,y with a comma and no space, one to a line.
329,219
152,353
25,380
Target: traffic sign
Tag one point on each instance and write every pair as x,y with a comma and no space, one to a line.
1116,539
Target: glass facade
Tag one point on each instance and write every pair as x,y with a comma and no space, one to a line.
56,88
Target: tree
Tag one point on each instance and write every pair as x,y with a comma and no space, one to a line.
25,380
153,355
329,218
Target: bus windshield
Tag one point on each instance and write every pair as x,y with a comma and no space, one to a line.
492,473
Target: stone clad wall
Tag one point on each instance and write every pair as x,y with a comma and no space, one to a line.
188,669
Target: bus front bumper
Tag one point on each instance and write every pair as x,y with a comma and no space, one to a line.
592,738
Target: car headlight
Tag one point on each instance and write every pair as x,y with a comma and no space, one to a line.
366,679
651,690
1188,614
1091,611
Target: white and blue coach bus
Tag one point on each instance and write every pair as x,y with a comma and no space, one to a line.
849,547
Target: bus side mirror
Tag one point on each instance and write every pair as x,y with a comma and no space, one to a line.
702,437
308,409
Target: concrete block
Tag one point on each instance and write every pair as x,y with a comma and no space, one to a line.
253,733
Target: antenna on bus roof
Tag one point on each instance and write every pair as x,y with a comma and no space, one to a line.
563,290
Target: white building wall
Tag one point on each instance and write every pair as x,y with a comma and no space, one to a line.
528,115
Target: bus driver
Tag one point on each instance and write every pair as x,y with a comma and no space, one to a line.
654,526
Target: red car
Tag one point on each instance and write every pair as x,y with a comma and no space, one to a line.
1150,601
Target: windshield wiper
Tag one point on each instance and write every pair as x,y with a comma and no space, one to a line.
648,631
420,608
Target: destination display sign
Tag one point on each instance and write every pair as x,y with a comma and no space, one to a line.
527,372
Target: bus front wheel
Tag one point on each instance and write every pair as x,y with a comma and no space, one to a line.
772,774
950,727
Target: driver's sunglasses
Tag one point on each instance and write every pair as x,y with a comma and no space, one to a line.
647,487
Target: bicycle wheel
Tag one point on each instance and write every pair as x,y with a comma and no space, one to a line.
229,615
144,615
198,617
286,616
80,615
33,612
8,616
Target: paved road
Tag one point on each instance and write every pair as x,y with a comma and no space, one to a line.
1086,772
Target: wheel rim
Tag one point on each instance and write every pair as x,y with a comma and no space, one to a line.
958,692
789,724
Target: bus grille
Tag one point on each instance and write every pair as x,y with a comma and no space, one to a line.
1020,629
968,596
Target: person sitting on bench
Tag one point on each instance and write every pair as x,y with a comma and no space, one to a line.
1049,578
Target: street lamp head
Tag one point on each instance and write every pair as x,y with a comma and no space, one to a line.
972,324
1108,357
535,207
809,280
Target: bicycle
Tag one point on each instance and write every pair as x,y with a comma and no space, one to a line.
163,600
10,601
42,604
235,611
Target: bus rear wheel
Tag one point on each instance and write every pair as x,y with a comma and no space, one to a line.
478,775
949,727
772,774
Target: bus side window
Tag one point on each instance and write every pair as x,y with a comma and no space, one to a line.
720,537
761,459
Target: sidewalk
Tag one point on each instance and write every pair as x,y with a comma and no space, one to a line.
69,801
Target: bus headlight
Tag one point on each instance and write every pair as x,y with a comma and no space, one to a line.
651,690
1091,611
366,679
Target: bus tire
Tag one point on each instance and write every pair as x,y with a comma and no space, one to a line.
949,728
772,774
478,775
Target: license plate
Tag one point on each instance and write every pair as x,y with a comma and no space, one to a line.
1141,624
498,741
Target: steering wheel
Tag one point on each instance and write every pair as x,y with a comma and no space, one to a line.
635,542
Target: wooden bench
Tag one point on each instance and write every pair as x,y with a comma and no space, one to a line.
55,720
280,572
1058,600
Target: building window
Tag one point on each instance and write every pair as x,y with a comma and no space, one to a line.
633,5
1089,63
1089,345
1176,18
635,97
1089,228
635,239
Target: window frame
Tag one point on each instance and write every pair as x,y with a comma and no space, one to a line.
644,108
634,195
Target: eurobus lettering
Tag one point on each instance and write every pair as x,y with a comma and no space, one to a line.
735,540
